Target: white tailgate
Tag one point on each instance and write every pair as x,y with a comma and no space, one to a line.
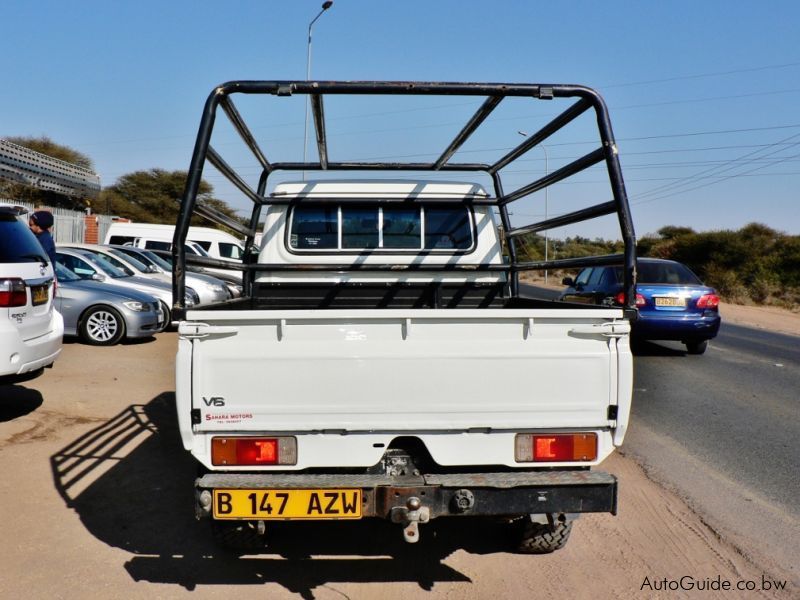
401,370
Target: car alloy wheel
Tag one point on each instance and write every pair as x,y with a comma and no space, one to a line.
102,326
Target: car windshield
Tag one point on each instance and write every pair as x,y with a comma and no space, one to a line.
157,260
139,262
17,242
64,274
108,268
166,258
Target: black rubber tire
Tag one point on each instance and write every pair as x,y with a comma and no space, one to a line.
536,538
167,315
696,347
238,536
102,326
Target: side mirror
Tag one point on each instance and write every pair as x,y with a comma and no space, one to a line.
98,277
568,281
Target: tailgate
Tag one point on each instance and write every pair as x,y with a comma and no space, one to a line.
401,370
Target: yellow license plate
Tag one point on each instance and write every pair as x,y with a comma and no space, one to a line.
287,504
670,301
39,294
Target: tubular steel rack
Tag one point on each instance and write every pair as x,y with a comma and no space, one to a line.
587,98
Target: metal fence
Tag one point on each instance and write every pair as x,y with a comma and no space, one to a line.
69,225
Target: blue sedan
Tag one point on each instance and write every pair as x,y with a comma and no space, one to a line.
673,303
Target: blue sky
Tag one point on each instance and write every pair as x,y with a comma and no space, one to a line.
703,96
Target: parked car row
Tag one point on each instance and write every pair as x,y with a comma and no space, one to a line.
130,268
99,294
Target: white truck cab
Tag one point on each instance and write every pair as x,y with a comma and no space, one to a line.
381,362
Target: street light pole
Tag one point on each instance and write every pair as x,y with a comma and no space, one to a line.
546,173
325,6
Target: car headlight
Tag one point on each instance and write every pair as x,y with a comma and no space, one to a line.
136,306
218,288
190,297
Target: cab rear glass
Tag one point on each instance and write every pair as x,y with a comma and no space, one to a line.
376,228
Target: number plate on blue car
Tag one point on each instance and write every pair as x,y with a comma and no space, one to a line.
669,301
287,504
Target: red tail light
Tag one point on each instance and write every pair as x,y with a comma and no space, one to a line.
558,447
13,293
620,299
708,301
252,451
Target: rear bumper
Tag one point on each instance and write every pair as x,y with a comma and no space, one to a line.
680,328
470,494
22,356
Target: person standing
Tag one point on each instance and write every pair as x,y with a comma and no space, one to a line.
40,223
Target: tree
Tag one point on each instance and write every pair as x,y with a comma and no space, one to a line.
154,196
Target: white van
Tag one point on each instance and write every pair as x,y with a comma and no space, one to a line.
152,236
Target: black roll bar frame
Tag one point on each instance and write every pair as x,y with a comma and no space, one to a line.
587,98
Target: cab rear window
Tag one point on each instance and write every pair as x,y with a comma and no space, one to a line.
374,228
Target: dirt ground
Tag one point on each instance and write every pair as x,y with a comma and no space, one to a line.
762,317
96,491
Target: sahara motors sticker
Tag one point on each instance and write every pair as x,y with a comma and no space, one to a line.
228,418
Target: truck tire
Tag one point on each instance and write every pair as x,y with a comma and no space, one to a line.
238,536
536,538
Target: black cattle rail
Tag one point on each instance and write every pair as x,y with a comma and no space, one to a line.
586,98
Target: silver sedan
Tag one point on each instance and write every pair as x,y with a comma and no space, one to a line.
102,314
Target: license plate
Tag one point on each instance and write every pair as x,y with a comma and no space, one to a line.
287,504
39,294
670,301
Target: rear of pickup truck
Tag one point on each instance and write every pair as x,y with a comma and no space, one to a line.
406,415
381,362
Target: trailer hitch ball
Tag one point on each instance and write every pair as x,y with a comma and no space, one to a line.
463,501
410,516
204,499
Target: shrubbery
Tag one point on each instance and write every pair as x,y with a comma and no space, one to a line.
754,264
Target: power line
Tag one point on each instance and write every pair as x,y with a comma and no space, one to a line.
728,166
705,75
719,180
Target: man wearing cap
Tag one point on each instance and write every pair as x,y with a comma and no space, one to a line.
40,223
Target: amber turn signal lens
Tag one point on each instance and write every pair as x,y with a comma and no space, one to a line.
557,447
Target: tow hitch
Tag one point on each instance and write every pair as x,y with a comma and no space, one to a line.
410,516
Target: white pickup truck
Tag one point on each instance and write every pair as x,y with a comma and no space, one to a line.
381,362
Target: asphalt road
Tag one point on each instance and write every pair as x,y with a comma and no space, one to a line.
737,407
723,430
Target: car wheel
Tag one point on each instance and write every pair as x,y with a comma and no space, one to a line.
102,326
696,347
167,316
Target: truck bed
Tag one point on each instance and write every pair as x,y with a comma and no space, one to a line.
315,296
398,370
